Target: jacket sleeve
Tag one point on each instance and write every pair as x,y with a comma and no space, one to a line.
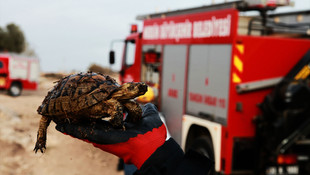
170,159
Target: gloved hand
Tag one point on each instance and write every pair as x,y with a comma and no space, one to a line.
134,145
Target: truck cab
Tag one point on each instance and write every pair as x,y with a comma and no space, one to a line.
140,63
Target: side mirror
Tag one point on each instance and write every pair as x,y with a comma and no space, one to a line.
112,57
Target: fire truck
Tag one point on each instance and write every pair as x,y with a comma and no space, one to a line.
232,81
18,72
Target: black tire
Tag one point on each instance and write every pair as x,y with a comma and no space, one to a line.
15,89
204,146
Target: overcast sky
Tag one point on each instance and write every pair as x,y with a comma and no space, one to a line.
72,34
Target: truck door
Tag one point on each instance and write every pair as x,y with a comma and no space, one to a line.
3,71
173,82
4,62
128,66
208,82
131,64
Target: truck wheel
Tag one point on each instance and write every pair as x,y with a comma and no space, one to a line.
203,145
15,89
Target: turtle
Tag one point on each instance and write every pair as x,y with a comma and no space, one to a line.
89,96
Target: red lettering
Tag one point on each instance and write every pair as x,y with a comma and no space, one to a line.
207,81
173,77
205,99
194,97
222,103
209,100
173,93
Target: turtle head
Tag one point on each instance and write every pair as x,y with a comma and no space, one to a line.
142,88
130,90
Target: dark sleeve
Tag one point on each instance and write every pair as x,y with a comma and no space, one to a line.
170,159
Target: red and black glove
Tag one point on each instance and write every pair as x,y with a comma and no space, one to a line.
134,145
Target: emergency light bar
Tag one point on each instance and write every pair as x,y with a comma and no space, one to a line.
267,3
243,5
134,28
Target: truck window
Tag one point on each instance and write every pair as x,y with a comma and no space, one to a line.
1,64
130,52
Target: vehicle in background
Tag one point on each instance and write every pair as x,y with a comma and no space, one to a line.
18,72
230,85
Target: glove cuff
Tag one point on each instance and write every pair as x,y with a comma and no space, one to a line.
154,140
138,149
165,159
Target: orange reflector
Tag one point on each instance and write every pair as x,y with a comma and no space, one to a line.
287,159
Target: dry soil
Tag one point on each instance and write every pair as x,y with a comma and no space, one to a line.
64,155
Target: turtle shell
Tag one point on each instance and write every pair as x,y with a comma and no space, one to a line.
76,92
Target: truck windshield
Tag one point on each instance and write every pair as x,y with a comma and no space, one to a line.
130,52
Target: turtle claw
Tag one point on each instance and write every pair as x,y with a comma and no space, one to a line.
40,147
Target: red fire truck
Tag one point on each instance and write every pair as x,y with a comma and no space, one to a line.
18,72
230,83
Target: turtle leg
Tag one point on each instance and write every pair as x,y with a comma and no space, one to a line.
115,110
41,136
134,111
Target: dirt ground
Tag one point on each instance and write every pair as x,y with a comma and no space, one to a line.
64,155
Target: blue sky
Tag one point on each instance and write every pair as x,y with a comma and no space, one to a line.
72,34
